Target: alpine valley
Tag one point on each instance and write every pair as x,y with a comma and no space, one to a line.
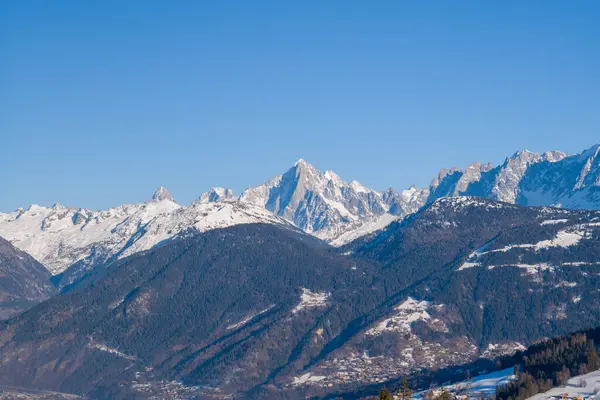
306,285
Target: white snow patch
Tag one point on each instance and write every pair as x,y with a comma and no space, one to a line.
309,299
566,284
111,350
409,311
564,238
554,221
507,348
471,260
530,268
249,318
306,379
370,226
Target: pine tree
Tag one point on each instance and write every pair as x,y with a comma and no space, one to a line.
384,394
593,361
404,393
468,385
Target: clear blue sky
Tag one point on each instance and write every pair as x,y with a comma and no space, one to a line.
101,102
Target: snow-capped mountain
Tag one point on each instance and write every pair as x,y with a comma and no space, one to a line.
60,237
571,182
162,194
322,204
325,205
319,203
526,178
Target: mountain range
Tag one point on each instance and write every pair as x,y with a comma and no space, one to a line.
321,204
303,286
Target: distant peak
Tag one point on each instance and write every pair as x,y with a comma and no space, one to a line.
162,194
34,207
523,153
216,194
303,164
302,167
554,156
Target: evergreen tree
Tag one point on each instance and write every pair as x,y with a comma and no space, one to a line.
404,392
593,360
384,394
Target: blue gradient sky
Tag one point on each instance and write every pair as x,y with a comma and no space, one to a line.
101,102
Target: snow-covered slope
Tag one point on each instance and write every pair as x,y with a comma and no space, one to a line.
586,386
360,229
59,237
485,384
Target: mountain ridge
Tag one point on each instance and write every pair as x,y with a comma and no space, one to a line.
322,204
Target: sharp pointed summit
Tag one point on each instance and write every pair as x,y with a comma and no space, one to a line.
319,203
162,194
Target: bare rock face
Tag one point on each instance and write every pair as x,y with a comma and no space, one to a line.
549,179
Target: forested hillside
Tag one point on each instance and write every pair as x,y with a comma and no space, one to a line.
23,281
463,278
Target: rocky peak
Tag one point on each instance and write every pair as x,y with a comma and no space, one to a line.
554,156
509,177
471,174
217,194
591,158
315,201
58,207
435,183
162,194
